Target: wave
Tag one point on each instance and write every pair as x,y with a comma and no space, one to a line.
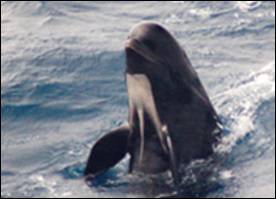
47,84
39,112
240,104
246,6
248,143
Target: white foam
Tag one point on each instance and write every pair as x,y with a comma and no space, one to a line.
226,174
173,19
203,13
246,6
40,181
241,128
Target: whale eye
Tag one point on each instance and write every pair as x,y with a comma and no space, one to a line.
150,44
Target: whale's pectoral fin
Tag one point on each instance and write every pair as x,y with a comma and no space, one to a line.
108,151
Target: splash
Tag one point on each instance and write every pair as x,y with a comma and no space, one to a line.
240,103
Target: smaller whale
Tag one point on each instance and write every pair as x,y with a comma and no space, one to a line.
171,119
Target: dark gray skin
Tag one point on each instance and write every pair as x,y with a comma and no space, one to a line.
171,119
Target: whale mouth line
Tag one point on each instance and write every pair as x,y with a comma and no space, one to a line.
140,48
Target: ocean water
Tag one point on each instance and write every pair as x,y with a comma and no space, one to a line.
63,87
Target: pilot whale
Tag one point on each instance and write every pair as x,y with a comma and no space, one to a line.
171,120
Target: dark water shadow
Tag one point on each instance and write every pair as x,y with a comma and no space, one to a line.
73,172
